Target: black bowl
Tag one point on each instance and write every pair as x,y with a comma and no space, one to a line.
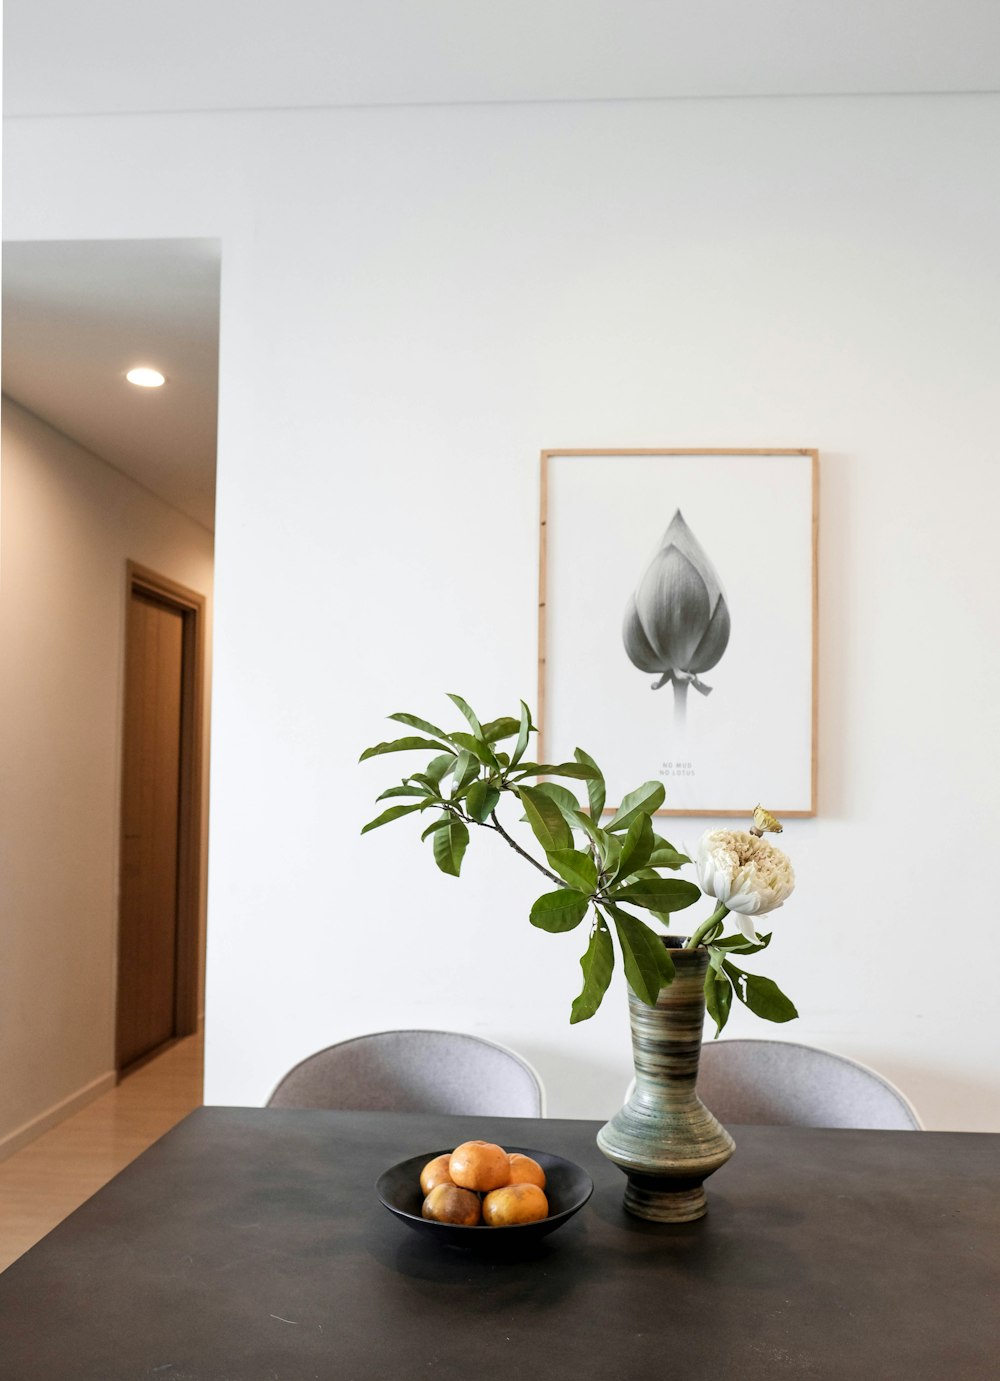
567,1189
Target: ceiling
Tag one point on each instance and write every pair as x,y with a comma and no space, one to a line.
63,57
77,315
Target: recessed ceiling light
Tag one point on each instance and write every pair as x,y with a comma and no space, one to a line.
145,378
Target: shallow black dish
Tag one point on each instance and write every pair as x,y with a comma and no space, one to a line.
567,1189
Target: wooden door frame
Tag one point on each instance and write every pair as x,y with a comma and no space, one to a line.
191,606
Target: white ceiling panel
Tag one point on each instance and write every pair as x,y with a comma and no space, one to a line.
77,315
64,57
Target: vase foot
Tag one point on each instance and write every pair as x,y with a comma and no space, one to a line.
643,1199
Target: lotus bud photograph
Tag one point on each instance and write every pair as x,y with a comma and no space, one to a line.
677,622
688,647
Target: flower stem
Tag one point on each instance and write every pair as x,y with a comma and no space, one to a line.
680,702
707,927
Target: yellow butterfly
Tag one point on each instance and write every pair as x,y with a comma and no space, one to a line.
764,821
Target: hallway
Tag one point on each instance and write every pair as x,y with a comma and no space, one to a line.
44,1182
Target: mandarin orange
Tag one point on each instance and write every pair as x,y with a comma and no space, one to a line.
514,1203
479,1165
446,1203
524,1170
435,1172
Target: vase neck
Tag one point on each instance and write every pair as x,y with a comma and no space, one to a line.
666,1039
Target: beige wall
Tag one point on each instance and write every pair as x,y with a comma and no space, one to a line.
69,523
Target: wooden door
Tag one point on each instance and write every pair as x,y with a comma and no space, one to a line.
157,963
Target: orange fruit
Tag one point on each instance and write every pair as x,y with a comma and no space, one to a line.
514,1203
446,1203
524,1170
480,1165
435,1172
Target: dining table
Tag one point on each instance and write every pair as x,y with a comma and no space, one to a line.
248,1244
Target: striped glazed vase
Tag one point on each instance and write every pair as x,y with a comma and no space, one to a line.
664,1138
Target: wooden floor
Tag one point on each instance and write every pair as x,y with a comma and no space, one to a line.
44,1182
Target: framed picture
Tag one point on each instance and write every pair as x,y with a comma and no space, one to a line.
677,623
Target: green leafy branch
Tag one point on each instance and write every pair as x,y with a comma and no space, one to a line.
762,995
606,871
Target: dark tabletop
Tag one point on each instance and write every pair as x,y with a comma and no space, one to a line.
248,1245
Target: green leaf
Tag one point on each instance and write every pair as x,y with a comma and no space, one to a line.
481,751
636,846
450,845
440,823
763,997
579,770
608,846
648,966
580,821
596,789
559,911
563,798
611,852
482,800
716,958
645,800
525,727
393,813
546,819
402,791
432,787
399,745
424,725
466,771
718,998
739,944
597,963
659,894
469,713
578,869
498,729
645,875
664,855
437,768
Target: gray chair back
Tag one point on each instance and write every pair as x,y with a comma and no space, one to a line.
781,1083
415,1071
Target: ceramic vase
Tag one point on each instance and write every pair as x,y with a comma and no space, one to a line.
664,1138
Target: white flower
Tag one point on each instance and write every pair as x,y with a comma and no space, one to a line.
745,873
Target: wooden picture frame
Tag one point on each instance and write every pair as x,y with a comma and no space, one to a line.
679,532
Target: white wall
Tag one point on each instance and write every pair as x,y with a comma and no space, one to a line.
70,523
414,303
